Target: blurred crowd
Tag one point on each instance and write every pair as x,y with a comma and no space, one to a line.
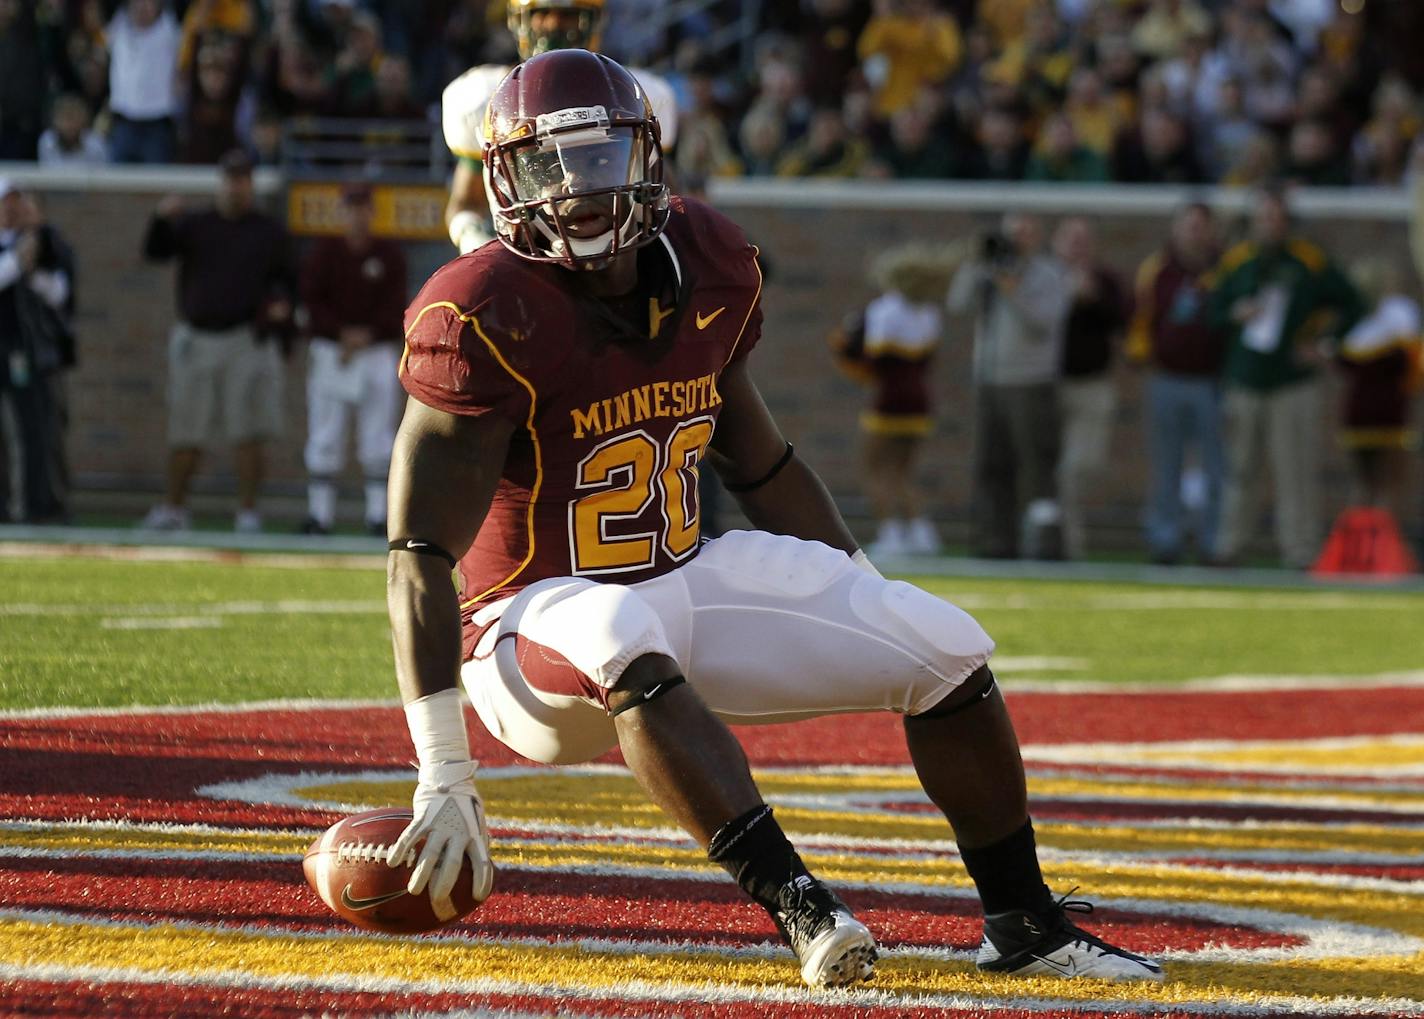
1234,342
1160,91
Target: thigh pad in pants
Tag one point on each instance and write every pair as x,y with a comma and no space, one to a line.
541,673
781,629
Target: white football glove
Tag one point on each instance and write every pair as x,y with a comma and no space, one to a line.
450,816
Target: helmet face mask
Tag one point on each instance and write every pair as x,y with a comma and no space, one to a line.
573,185
542,26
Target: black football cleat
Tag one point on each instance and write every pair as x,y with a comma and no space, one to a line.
833,947
1049,944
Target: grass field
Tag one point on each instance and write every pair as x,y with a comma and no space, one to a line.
1259,830
81,632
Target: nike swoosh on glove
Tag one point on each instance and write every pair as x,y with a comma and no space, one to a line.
450,816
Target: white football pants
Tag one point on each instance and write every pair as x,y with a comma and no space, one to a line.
766,628
364,388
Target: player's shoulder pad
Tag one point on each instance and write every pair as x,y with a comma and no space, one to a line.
663,100
714,235
481,285
462,108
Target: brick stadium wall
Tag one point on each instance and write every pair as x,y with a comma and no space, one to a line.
816,256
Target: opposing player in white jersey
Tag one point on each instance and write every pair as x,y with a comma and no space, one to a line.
538,26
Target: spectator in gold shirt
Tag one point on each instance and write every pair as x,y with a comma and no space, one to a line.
906,45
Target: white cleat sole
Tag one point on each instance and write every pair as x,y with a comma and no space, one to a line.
845,955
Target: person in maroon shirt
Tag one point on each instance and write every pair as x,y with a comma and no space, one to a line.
566,383
354,290
1171,335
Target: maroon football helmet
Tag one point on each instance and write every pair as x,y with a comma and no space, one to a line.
573,160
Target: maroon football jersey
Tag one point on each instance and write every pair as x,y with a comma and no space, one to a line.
601,476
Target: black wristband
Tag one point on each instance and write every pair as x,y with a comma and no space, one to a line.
752,486
421,547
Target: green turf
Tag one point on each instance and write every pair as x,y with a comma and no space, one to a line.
69,658
1148,633
59,647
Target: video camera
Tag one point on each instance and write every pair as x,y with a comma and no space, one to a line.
997,249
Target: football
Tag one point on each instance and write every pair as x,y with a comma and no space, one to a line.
347,867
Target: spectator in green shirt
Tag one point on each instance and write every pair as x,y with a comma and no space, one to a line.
1279,297
1058,158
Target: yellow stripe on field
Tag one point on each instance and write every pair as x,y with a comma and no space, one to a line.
588,794
451,965
1303,838
81,838
1205,791
1366,756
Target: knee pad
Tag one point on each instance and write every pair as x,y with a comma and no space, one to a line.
982,686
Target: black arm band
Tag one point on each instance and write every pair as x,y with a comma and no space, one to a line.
752,486
421,547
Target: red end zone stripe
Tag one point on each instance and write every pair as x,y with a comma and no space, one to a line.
145,767
377,737
545,905
63,1000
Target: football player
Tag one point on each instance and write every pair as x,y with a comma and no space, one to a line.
565,386
539,26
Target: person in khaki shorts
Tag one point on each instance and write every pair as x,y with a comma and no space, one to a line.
225,373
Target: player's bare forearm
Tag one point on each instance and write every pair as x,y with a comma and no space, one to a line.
444,469
797,502
425,624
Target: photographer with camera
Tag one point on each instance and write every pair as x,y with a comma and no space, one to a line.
1020,298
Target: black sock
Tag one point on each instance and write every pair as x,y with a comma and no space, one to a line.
1007,875
755,851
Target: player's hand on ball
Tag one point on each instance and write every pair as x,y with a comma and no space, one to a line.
450,816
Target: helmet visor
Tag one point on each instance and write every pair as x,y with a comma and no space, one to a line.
577,162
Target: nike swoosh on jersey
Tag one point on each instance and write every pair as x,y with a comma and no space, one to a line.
370,902
704,322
